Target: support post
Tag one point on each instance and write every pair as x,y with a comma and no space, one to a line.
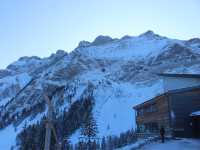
48,124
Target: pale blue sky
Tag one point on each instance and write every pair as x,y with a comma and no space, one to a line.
40,27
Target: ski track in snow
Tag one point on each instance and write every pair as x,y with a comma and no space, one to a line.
115,120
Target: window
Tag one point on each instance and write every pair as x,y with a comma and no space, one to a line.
153,108
149,109
140,112
151,127
141,128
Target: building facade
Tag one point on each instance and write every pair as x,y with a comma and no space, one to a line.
171,109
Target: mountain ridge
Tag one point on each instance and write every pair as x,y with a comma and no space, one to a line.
116,72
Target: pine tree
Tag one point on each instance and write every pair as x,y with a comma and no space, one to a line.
110,145
98,145
89,127
103,144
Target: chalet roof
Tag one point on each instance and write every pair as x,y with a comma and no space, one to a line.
179,75
152,100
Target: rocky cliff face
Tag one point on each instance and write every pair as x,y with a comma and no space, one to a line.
118,73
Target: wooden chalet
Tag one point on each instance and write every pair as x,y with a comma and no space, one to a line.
173,109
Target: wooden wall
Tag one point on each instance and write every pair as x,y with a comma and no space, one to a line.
182,104
161,116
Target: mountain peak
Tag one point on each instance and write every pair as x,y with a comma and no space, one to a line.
126,37
102,40
149,34
84,44
194,40
60,52
25,58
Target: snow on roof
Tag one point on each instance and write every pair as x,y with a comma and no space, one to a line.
196,113
179,75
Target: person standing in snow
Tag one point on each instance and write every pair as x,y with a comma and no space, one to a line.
162,134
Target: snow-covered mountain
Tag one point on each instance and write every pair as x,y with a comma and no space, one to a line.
118,73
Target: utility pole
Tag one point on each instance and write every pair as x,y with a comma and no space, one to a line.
50,127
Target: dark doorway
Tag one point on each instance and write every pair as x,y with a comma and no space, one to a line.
196,126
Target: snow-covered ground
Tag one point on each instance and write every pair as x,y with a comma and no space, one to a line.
12,84
194,69
179,144
7,137
116,114
9,134
135,145
113,108
182,144
133,48
196,113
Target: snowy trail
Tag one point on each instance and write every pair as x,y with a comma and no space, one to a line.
183,144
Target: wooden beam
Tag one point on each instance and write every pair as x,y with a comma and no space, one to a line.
50,127
48,124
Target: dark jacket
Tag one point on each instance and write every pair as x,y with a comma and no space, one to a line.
162,131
